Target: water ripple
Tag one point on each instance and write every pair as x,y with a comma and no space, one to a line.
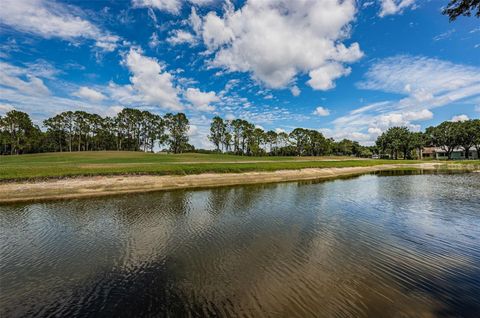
369,246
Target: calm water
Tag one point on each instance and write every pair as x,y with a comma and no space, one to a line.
369,246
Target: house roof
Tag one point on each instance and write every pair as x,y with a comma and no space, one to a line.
428,150
433,150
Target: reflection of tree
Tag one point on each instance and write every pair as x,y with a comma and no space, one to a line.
326,249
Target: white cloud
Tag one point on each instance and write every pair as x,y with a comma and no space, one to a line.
32,97
13,77
90,94
201,100
180,37
427,82
462,117
277,40
444,35
199,131
114,110
192,130
323,77
53,20
201,2
215,31
195,21
321,111
295,90
154,41
368,4
371,120
35,105
171,6
6,108
150,84
389,7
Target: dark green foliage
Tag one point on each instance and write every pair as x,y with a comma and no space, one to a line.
240,137
456,8
447,136
18,134
131,129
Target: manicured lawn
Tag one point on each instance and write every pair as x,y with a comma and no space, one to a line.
51,165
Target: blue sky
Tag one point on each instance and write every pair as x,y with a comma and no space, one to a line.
350,69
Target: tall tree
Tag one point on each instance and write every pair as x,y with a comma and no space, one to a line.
19,131
178,127
272,139
444,136
55,131
237,133
465,132
476,132
217,132
300,140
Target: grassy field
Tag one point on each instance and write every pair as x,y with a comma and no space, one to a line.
54,165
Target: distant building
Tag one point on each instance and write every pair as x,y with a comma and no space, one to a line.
440,154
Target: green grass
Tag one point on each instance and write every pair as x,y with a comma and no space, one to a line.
56,165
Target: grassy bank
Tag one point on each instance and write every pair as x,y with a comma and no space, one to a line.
58,165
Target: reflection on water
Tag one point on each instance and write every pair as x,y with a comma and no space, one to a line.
368,246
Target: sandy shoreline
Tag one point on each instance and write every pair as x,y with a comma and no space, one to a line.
113,185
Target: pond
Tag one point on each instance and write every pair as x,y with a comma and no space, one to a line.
373,245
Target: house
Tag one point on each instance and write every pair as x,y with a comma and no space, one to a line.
427,153
440,154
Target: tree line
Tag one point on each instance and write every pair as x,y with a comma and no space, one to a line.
131,129
400,141
241,137
137,130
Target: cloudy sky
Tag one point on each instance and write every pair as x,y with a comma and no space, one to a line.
350,69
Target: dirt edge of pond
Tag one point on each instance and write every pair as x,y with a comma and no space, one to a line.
114,185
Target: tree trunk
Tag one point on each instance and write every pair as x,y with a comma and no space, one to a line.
467,150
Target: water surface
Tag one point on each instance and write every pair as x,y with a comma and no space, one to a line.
369,246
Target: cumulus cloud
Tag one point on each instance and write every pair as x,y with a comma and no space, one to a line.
54,20
462,117
390,7
323,78
90,94
277,40
201,100
321,111
150,84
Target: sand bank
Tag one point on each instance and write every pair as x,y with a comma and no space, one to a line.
113,185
